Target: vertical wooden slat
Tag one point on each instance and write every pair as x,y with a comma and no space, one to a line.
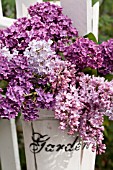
89,12
22,5
80,11
1,13
8,137
88,159
8,145
95,19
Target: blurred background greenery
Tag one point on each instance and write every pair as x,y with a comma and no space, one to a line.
106,20
105,161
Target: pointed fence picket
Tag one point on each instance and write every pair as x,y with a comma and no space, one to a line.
85,19
9,146
9,153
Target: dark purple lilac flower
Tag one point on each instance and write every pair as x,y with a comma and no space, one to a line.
84,53
4,68
46,22
107,54
29,110
8,108
44,99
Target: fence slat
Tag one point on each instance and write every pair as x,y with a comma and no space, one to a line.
95,19
89,157
80,11
22,5
6,22
1,13
89,11
8,145
9,155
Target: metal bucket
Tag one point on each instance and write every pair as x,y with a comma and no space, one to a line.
49,148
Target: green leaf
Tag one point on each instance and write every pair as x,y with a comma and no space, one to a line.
3,84
106,121
19,114
62,56
91,37
90,71
94,1
109,77
106,133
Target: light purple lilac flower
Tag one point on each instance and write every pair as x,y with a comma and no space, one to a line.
40,56
81,108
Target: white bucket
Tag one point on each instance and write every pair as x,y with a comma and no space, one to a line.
49,148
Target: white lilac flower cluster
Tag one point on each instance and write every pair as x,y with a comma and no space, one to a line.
6,53
40,56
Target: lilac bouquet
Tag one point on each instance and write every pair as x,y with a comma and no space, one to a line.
44,64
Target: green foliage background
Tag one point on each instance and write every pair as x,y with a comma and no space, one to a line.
106,20
105,161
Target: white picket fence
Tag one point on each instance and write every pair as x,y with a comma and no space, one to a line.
85,19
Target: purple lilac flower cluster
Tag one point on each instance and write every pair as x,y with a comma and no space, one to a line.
41,67
58,25
84,53
107,54
15,77
80,103
81,107
46,22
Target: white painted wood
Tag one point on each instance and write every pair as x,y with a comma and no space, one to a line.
8,145
88,159
56,2
80,11
1,14
22,5
8,136
89,12
6,22
95,19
